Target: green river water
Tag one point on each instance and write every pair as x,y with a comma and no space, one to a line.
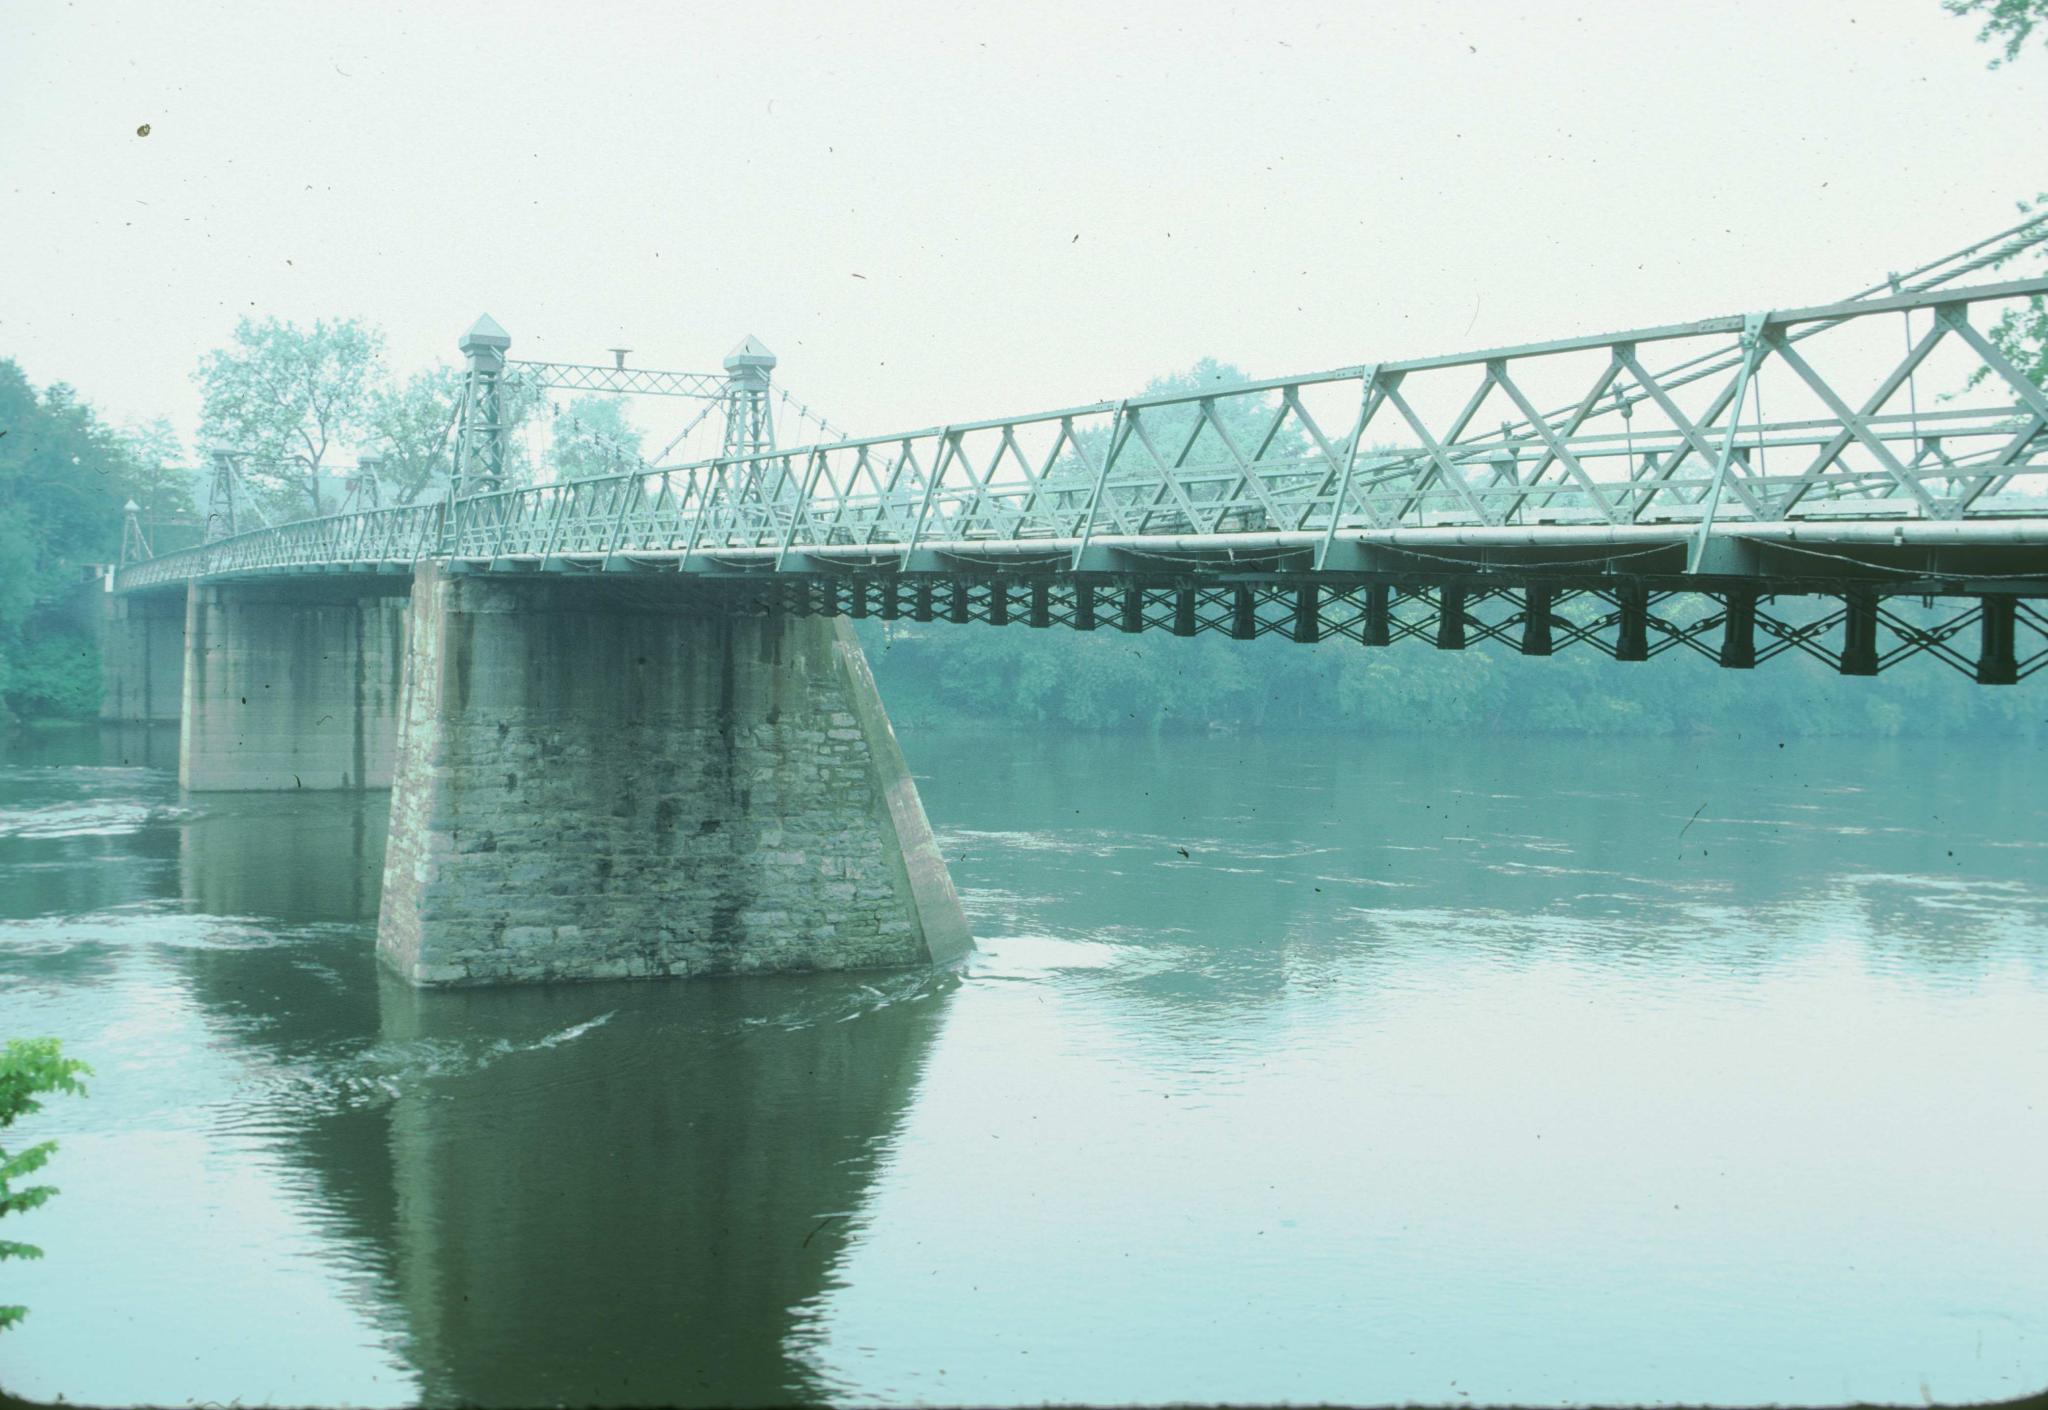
1451,1070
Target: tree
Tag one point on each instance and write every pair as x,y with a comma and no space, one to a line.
411,430
1171,428
2022,333
64,476
29,1068
165,485
594,435
2009,23
288,396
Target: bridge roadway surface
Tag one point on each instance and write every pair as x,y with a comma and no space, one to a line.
1741,486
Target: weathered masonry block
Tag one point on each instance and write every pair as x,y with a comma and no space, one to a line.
608,777
292,683
142,657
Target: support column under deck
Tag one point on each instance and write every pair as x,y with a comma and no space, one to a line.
610,777
292,683
142,657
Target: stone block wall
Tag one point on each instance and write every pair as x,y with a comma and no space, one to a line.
142,657
600,778
292,683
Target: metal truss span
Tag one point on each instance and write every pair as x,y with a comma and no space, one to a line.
1553,494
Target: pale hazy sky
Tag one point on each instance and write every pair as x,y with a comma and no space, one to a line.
1043,204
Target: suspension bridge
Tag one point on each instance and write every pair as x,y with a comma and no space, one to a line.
1863,481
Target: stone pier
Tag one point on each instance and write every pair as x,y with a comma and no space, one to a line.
610,776
142,657
292,683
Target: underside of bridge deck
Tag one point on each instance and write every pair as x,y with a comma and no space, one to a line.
599,779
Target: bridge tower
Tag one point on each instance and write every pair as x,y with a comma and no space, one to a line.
480,432
134,546
223,497
749,422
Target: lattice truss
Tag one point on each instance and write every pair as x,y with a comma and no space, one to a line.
1893,407
1995,640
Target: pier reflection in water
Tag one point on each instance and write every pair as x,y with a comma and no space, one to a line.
608,1192
605,1193
1645,1073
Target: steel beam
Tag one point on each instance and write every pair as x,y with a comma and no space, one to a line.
1450,620
1308,624
1738,636
1378,629
1244,615
1536,602
1632,638
1997,658
1859,634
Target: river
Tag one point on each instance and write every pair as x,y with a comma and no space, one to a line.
1445,1069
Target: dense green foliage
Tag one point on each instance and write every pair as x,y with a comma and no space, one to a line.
409,429
2022,333
594,435
296,402
29,1068
287,397
64,476
2006,23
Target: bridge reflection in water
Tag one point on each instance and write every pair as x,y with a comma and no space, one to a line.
625,1194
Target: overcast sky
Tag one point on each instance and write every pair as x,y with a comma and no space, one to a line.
937,212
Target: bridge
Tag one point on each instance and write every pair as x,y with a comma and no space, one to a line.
628,730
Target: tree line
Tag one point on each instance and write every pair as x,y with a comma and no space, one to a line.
295,404
298,406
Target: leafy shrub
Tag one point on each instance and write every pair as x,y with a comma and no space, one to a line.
54,676
29,1068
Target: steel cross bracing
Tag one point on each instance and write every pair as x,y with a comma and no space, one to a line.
591,377
1871,448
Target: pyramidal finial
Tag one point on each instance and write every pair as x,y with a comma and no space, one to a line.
485,333
751,352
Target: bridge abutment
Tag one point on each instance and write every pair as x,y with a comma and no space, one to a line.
613,776
291,683
142,657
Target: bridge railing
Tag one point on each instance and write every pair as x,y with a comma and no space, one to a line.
1891,408
373,538
1878,408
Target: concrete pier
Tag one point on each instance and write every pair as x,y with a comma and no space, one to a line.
142,657
292,683
601,777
